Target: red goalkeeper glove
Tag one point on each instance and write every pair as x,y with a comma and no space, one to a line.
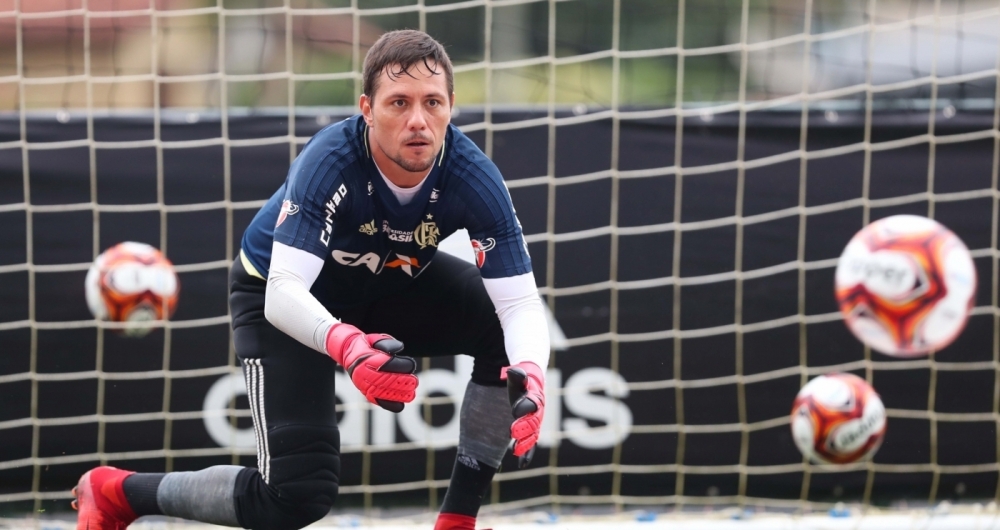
526,390
384,378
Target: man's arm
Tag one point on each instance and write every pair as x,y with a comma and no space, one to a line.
504,263
385,379
522,317
526,339
288,304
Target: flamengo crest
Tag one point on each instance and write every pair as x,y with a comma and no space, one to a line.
427,234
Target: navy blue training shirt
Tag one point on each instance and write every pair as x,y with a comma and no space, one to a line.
335,205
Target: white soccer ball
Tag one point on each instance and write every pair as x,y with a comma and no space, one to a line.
838,418
906,285
132,282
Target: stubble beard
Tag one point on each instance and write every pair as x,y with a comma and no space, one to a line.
413,166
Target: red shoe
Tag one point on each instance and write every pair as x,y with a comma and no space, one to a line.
453,521
101,501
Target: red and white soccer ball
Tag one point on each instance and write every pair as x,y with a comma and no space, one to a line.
132,282
837,419
905,285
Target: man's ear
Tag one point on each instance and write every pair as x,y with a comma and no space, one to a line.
452,100
366,109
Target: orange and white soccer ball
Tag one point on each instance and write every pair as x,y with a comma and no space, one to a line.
838,418
906,285
132,282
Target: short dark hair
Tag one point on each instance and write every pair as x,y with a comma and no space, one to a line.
400,50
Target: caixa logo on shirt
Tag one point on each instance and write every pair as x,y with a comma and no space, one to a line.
331,210
372,261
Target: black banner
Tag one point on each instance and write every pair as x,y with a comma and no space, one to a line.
195,173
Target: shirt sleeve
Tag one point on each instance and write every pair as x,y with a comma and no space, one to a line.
288,304
522,317
315,194
497,239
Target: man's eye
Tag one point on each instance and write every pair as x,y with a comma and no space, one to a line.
399,103
433,102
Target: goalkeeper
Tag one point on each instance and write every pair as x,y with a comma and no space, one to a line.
342,261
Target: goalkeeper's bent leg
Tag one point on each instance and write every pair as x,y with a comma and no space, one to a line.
238,496
293,402
484,435
301,489
447,311
298,444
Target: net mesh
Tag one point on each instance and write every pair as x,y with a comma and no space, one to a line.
526,69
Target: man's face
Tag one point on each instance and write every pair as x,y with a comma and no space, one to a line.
409,115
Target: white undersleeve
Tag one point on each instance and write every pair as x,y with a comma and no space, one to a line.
288,304
522,317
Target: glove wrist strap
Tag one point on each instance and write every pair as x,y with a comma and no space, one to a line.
339,336
533,370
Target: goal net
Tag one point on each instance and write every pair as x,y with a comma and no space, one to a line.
686,173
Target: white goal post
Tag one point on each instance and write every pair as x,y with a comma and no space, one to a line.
687,172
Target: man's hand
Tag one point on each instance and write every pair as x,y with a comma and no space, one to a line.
526,390
384,378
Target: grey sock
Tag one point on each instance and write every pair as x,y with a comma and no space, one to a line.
205,496
484,427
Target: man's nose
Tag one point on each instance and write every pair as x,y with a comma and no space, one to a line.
417,120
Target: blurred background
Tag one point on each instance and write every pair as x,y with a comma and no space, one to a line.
686,172
256,44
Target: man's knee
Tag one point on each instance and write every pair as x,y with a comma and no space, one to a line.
262,506
305,500
299,483
293,513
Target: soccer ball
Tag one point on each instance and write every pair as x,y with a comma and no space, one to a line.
905,285
838,418
132,282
